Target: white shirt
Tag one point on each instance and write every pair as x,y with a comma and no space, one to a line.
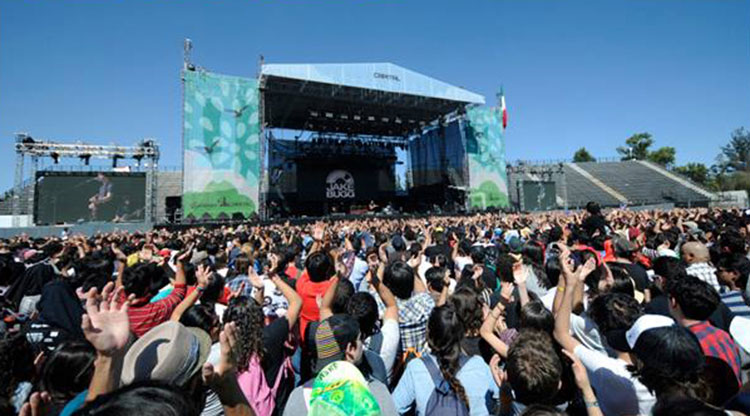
617,391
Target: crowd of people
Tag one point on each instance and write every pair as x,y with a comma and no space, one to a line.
612,312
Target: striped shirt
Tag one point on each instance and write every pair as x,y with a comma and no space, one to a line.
736,303
144,316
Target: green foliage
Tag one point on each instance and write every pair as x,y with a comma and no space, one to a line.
735,156
696,172
664,156
636,147
582,155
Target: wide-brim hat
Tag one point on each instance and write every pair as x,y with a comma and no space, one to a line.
170,352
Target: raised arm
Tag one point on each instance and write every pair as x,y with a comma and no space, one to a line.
294,299
446,288
257,283
562,320
520,274
487,331
107,327
202,275
326,309
223,378
122,260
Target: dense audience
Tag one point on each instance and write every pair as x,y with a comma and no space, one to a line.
598,312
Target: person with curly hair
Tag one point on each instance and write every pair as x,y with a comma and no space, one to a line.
261,345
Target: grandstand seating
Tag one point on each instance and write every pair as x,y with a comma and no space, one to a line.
640,183
643,185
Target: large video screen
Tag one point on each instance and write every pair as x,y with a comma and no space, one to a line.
71,197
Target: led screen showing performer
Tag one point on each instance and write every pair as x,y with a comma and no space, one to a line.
69,197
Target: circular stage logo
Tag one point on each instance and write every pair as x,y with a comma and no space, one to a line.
340,184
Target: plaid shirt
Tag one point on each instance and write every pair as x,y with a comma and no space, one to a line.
413,315
705,272
717,343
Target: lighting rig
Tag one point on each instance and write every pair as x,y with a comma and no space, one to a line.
35,149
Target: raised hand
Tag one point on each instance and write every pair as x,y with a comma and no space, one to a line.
119,255
236,293
105,324
202,275
255,280
587,268
498,374
341,270
318,232
227,367
520,273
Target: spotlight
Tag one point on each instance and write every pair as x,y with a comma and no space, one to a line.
85,158
114,160
55,156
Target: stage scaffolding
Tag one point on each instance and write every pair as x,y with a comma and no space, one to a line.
147,151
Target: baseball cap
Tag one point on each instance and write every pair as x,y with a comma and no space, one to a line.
331,338
515,245
625,340
739,328
170,352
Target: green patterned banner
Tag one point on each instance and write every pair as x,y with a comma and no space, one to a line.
222,146
486,151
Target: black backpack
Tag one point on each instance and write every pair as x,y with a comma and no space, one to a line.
443,400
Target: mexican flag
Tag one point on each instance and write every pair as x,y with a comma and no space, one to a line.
503,109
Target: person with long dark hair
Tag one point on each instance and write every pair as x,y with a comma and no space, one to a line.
469,377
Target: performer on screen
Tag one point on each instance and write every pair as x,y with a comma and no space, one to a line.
103,196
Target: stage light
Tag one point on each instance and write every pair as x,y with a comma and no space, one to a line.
370,118
138,157
85,158
114,160
55,156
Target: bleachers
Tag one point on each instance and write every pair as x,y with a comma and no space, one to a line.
581,190
642,185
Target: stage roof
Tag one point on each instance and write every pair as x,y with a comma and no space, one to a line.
367,98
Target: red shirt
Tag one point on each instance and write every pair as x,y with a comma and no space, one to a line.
144,316
717,343
309,291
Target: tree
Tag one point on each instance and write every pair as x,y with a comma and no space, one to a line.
697,172
663,156
583,155
736,154
636,147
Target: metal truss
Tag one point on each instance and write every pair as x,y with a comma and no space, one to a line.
147,150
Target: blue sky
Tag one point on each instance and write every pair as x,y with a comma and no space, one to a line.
575,73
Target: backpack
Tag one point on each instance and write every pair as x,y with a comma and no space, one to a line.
443,400
254,386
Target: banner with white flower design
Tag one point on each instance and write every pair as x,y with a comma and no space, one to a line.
221,139
485,146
